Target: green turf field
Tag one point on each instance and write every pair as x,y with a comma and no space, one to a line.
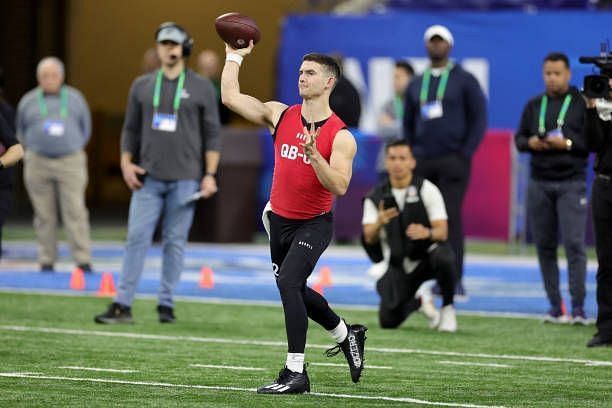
489,362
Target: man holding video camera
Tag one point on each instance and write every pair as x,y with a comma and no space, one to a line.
598,135
551,131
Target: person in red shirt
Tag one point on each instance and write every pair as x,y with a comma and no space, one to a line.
313,154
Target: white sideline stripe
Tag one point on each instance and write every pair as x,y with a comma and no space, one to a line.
283,344
219,388
227,367
344,365
466,363
108,370
265,303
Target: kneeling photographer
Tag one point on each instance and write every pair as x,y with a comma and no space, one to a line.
405,225
598,135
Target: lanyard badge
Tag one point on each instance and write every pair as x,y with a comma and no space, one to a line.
557,132
53,127
433,109
166,122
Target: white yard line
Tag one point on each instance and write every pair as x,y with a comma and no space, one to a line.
227,367
107,370
283,344
375,367
467,363
242,302
219,388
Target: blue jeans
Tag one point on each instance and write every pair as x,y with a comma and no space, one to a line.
146,206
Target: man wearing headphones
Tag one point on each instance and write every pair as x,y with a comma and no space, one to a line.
171,119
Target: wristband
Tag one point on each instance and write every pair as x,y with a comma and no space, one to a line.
234,57
210,174
431,234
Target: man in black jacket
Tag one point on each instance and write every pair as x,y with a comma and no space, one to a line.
598,134
445,120
404,226
551,130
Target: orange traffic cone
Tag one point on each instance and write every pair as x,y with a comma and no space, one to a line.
325,277
77,279
317,287
206,278
107,286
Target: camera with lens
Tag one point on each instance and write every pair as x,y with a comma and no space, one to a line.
598,86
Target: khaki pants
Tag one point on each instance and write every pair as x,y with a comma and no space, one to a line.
53,181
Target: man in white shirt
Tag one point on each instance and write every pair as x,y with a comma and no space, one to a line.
405,227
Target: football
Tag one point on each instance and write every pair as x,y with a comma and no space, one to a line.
237,30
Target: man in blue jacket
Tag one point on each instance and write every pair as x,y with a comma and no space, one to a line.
444,122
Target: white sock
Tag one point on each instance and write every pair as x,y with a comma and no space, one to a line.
295,362
340,332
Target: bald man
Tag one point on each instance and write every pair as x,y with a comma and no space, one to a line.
54,125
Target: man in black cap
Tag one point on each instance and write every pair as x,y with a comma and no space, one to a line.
171,120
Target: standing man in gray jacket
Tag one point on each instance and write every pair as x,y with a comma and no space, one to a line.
171,120
54,125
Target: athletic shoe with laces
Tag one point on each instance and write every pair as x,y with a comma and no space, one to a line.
116,313
353,348
557,315
288,382
579,317
166,314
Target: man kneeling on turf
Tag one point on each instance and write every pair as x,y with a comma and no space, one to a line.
404,226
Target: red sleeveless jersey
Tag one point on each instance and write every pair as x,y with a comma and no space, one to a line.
296,191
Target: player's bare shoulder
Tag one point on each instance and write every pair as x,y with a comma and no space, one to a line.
276,109
345,143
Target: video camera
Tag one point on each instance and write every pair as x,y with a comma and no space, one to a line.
598,86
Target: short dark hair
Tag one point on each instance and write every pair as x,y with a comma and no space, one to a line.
405,65
558,56
396,143
330,63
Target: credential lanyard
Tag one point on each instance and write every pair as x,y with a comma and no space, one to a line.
560,118
398,107
42,105
441,86
177,95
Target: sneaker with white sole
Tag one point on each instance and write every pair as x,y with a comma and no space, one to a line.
448,319
579,316
288,382
557,315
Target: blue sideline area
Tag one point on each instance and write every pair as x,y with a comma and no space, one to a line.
243,273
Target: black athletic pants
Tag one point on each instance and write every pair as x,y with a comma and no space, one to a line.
439,265
451,174
6,197
295,247
602,221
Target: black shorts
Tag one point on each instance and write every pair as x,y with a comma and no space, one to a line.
296,245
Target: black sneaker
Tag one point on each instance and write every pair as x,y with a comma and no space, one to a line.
166,314
600,340
47,268
85,267
353,349
288,382
116,313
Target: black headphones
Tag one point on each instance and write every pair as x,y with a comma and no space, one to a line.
187,43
